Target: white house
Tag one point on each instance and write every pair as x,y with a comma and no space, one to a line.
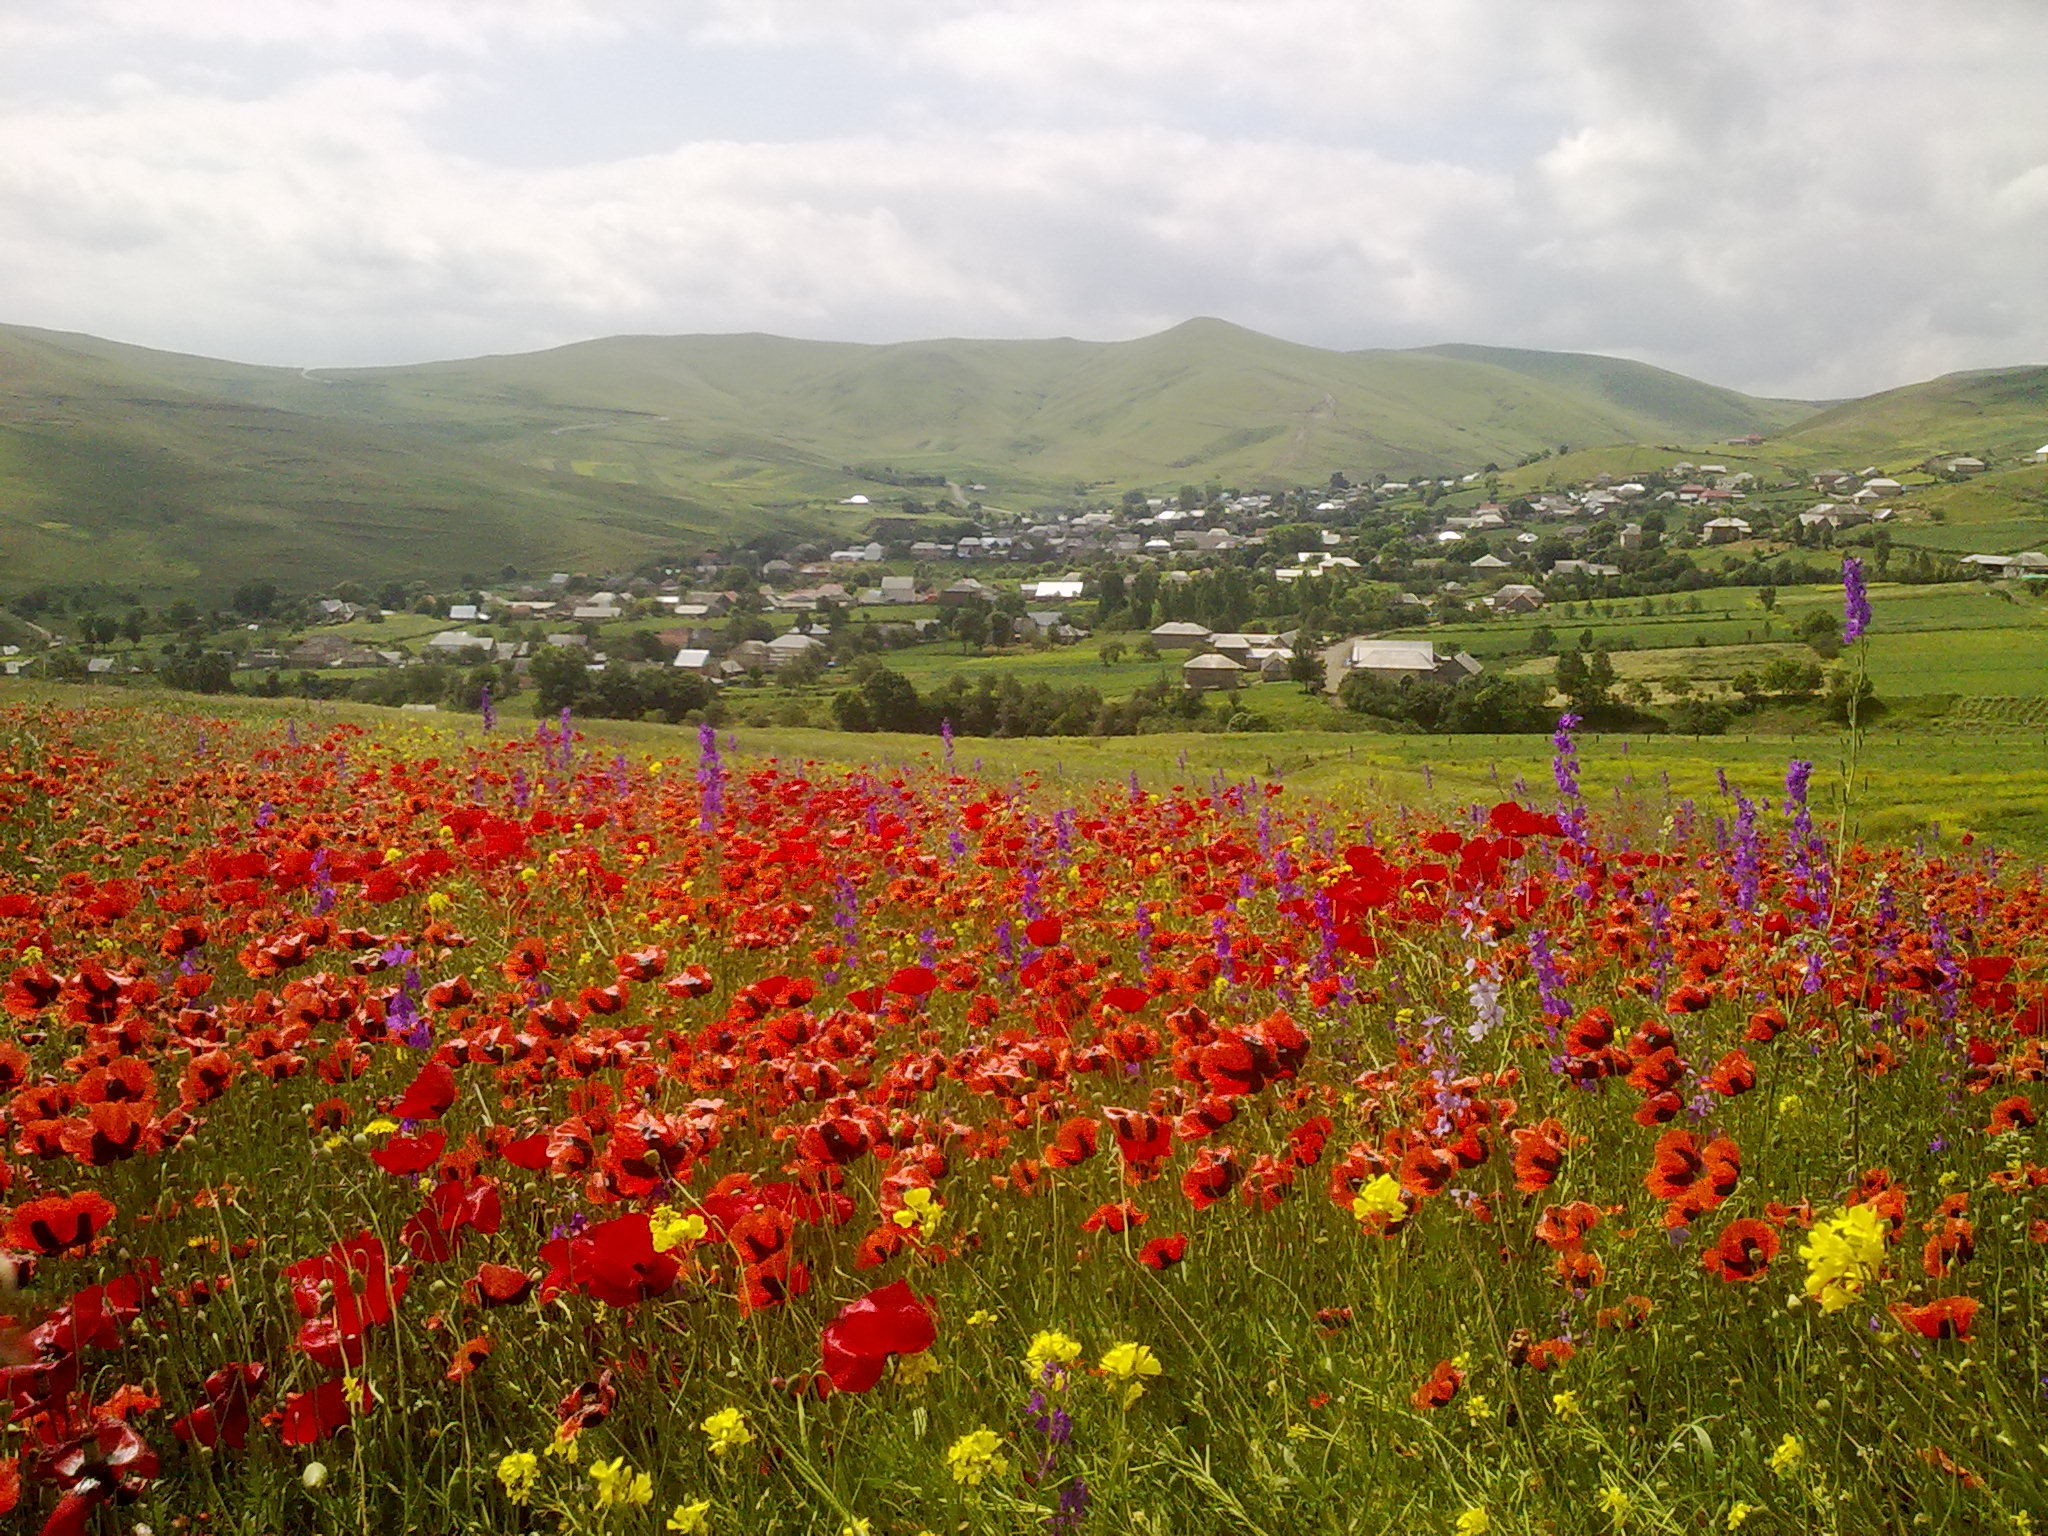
786,649
1180,634
1394,661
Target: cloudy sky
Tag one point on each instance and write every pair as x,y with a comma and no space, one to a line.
1815,198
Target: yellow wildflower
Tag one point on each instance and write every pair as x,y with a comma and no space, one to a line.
672,1229
1051,1348
519,1471
380,1127
1473,1522
1476,1407
1382,1197
619,1486
1739,1512
857,1526
1131,1363
1842,1254
1615,1503
1789,1106
1788,1456
921,1212
565,1445
912,1371
689,1519
980,1316
1565,1404
728,1431
975,1455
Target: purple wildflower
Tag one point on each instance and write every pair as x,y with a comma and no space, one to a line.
1855,599
710,778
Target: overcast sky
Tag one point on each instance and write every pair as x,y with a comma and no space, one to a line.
1804,197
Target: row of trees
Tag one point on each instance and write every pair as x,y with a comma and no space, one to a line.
987,705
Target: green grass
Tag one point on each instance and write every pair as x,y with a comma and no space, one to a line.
1989,778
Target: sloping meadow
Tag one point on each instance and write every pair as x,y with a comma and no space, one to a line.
406,1131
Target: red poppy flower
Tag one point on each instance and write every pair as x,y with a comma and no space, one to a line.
456,1206
498,1285
2013,1114
59,1224
858,1342
1426,1170
642,964
1563,1227
912,981
1743,1252
1074,1143
589,1403
614,1262
1306,1141
529,957
1591,1031
1127,999
363,1290
1212,1176
1439,1387
1162,1253
1948,1318
1952,1241
469,1355
310,1417
1733,1074
1209,1115
410,1154
1143,1139
1539,1155
1633,1312
223,1418
1118,1216
1043,931
109,1462
430,1095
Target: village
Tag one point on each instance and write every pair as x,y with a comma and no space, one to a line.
1227,590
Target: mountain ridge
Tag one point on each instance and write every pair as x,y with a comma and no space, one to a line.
179,470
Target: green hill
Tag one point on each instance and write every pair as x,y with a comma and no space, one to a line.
764,421
1647,402
1996,414
170,471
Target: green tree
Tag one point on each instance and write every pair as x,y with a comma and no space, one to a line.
560,678
254,599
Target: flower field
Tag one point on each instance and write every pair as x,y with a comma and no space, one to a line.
492,1133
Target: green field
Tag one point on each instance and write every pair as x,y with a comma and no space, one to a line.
1989,778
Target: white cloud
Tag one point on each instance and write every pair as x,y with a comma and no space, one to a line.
458,24
1825,198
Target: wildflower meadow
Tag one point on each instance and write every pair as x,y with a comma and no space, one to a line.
426,1131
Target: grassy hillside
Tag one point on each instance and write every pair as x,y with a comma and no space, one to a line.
763,422
1996,414
178,470
169,473
769,418
1649,401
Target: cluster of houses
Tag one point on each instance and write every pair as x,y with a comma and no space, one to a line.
1226,662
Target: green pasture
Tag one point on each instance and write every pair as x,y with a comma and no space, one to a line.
1990,779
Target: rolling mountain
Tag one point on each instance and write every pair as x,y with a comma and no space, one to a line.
1993,413
169,471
